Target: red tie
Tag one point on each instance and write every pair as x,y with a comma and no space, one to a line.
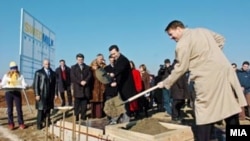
63,74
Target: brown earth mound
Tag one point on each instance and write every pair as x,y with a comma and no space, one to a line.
149,126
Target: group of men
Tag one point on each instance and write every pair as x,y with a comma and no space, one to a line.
243,74
47,84
218,92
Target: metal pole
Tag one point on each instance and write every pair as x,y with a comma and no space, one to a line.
24,93
63,123
87,129
46,134
52,129
74,127
60,130
79,127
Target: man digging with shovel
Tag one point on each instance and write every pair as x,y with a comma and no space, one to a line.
124,81
118,107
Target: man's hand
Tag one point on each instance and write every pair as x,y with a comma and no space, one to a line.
243,89
37,98
112,75
160,85
113,84
83,83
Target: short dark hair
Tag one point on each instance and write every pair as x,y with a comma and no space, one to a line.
114,47
166,61
245,63
62,61
133,64
79,55
175,62
234,64
174,24
99,54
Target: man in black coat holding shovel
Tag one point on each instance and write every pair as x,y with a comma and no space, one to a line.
124,78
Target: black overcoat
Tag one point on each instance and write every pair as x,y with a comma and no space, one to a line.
44,86
124,78
77,75
59,79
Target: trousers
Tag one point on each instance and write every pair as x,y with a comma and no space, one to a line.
11,97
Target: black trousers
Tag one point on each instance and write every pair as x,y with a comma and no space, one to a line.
143,104
203,132
176,107
41,117
11,97
128,112
69,95
80,107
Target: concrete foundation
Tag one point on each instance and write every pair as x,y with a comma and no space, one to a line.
179,133
93,130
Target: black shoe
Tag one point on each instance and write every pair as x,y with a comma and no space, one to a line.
39,127
176,120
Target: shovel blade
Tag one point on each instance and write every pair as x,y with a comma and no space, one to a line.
114,107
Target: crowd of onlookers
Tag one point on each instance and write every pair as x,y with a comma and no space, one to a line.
200,77
84,89
243,74
182,92
79,86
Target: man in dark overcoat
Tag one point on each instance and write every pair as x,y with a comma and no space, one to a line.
63,82
123,75
44,87
80,75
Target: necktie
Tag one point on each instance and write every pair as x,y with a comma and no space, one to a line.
47,71
81,66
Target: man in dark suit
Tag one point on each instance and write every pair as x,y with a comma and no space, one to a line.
123,75
63,82
80,75
110,91
44,87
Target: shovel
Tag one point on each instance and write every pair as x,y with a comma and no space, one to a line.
114,107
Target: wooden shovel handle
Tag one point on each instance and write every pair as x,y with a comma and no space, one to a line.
141,94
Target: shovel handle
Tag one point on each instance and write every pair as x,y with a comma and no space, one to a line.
141,94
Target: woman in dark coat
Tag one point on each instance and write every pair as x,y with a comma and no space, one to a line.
179,92
144,101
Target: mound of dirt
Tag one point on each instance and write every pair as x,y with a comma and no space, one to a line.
149,126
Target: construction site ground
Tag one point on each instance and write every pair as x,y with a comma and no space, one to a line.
32,134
